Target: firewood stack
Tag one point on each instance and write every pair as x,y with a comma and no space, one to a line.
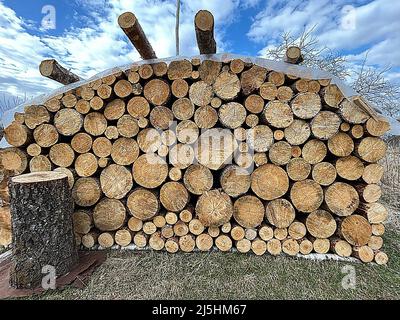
202,154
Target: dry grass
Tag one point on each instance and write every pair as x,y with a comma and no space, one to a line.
157,275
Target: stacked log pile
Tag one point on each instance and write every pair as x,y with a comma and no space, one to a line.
203,154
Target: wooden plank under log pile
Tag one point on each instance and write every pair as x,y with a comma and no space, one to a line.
203,153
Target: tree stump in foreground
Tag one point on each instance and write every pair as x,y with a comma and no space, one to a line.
41,211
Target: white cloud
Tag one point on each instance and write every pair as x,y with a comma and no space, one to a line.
100,44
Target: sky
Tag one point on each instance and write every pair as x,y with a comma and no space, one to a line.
83,35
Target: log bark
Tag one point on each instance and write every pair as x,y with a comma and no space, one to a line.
45,195
204,26
53,70
133,30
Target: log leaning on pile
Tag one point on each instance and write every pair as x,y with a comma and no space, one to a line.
287,172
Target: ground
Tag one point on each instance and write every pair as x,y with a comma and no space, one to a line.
216,275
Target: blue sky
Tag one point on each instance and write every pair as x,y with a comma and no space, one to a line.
87,38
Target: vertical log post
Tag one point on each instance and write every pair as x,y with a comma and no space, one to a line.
204,25
41,210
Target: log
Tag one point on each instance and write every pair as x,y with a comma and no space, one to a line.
314,151
179,88
161,117
332,96
345,127
280,153
106,240
290,247
159,221
143,204
90,239
279,135
156,241
227,86
260,138
357,131
232,115
297,132
364,253
150,171
266,233
135,224
293,55
95,124
140,239
314,86
277,78
180,69
285,94
160,69
39,163
296,152
260,158
82,221
96,103
375,127
268,91
341,247
259,247
280,233
341,145
252,79
243,245
109,214
116,181
174,196
82,143
149,228
198,179
127,126
52,105
381,258
209,71
374,212
183,109
157,92
196,227
305,246
187,132
206,117
324,173
69,100
269,182
274,247
236,66
378,229
325,125
68,122
148,140
223,243
53,70
356,230
86,93
181,156
86,165
375,243
352,113
34,150
114,109
216,102
278,114
341,199
306,195
321,224
123,237
373,173
280,213
124,151
204,26
138,107
235,180
171,218
187,243
175,174
17,135
248,211
62,155
86,192
298,169
172,245
146,71
321,246
226,227
14,160
200,93
306,105
102,147
371,149
214,208
133,30
297,230
45,195
349,168
204,242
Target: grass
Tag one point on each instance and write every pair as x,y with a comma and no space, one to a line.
216,275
